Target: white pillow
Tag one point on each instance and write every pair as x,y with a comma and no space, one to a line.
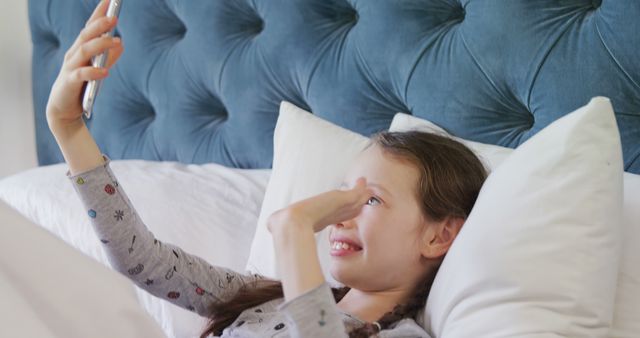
49,289
209,210
539,253
310,156
626,316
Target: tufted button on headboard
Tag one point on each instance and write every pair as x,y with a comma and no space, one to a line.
201,80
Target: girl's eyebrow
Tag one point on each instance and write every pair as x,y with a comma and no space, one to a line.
376,185
381,188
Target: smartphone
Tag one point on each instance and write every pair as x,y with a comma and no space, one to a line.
91,90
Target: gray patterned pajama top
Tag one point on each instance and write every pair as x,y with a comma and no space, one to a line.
166,271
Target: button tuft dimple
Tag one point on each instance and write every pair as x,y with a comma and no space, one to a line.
340,12
459,14
596,3
259,26
532,120
351,15
244,19
182,31
52,39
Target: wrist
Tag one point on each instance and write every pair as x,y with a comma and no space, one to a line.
288,231
296,256
62,129
288,220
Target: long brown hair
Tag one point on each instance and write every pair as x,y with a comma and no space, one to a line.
450,179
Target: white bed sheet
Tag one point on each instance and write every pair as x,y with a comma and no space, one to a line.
209,210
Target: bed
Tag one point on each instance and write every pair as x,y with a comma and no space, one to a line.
190,108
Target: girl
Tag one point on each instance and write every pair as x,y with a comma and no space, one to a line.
402,204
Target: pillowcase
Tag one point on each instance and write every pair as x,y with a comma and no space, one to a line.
626,320
208,210
310,156
538,255
626,315
49,289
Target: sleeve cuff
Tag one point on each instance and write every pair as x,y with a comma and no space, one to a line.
314,311
106,159
319,292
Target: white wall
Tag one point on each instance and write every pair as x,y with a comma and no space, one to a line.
17,126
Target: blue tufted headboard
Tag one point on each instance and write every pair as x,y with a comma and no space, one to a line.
201,80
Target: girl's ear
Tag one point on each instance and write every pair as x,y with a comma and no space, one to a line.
438,236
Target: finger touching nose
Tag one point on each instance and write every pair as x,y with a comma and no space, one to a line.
345,224
361,182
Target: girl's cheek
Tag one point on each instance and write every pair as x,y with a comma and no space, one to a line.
369,226
367,216
375,214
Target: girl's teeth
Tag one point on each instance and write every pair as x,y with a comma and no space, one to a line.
341,246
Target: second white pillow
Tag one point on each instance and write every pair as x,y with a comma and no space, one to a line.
538,255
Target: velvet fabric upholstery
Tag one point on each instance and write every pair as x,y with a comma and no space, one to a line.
201,80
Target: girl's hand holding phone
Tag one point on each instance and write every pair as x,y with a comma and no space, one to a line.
64,107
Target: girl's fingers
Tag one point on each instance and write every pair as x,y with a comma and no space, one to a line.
94,30
356,195
85,52
361,189
99,11
114,55
87,74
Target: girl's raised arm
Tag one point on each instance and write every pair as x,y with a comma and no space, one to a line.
162,269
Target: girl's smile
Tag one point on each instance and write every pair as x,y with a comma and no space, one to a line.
343,246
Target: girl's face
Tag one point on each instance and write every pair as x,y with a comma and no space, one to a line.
385,239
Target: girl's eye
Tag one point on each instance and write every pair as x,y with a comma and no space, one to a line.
373,199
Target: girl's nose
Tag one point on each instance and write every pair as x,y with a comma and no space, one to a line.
345,224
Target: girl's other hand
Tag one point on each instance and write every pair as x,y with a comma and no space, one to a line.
327,208
65,100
